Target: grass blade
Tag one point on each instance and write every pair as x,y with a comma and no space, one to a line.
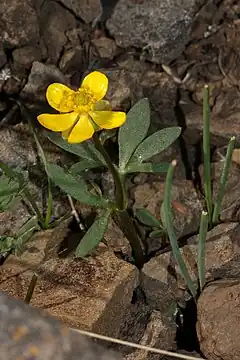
223,181
201,250
170,229
206,152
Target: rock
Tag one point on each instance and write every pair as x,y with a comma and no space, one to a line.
184,199
24,154
18,24
71,60
54,22
25,56
13,219
218,320
133,80
90,294
160,29
106,47
87,10
160,333
115,239
40,77
161,278
3,58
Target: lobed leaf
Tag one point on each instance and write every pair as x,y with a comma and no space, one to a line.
147,167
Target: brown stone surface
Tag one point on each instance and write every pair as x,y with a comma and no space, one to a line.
218,320
90,294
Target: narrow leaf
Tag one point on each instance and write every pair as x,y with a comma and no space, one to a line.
171,232
145,217
201,250
76,188
132,133
84,165
206,153
223,181
147,167
85,150
94,235
155,144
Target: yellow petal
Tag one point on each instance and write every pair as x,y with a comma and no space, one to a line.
60,97
108,119
57,122
102,105
83,130
97,83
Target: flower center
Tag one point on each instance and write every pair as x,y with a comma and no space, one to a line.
83,101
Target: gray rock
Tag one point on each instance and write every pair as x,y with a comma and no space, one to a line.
87,10
25,56
54,22
106,47
3,58
159,28
18,24
160,333
71,60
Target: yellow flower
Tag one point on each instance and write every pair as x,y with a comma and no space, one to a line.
83,111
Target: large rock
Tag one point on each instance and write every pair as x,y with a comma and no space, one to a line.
158,27
87,10
54,22
18,23
91,294
218,320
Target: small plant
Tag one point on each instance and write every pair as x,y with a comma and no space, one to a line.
210,215
83,113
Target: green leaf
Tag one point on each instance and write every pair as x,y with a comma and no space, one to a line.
155,144
145,217
147,167
85,150
94,235
6,243
84,165
9,191
76,188
132,133
156,233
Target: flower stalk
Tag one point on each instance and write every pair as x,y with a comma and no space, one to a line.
121,206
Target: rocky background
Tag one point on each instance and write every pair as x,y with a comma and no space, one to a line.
166,51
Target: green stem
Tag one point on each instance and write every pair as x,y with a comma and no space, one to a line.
223,181
31,289
206,153
130,232
201,248
118,180
121,202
